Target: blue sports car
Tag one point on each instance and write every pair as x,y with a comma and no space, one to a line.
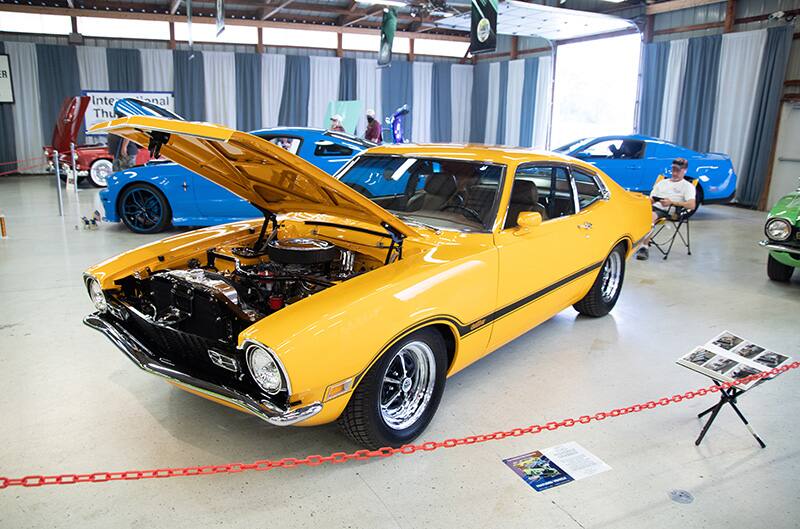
149,198
635,162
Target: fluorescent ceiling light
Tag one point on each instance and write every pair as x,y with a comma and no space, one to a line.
393,3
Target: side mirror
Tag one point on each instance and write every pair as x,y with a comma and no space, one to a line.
528,220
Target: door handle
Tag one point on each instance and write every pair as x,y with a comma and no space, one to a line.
585,226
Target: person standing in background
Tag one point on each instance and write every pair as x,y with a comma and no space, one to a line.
124,152
373,132
336,123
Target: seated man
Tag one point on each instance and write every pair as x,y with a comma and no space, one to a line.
666,196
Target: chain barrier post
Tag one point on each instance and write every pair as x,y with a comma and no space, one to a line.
57,166
74,158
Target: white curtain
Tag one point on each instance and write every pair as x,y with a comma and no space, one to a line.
273,71
157,70
544,98
516,80
220,83
422,82
323,87
27,118
368,89
92,67
739,73
461,101
492,105
676,67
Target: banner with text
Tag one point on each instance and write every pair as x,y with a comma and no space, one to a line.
6,89
101,104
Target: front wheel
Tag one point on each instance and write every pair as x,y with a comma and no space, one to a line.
144,209
605,291
399,394
99,172
777,271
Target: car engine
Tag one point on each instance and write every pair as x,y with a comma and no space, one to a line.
237,286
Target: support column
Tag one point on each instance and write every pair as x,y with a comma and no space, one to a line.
411,56
260,45
339,49
730,16
514,47
172,44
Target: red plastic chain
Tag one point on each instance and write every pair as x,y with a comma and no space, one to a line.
24,160
18,169
359,455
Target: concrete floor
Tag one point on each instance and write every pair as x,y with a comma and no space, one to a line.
72,403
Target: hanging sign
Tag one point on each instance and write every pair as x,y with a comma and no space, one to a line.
388,28
101,104
483,33
6,88
220,17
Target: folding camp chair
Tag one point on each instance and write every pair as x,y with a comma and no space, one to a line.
676,221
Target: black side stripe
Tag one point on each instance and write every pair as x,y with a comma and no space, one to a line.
463,330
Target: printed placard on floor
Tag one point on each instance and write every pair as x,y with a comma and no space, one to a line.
557,465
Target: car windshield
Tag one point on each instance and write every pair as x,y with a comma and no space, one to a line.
571,146
438,193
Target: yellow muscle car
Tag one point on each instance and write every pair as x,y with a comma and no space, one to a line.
357,295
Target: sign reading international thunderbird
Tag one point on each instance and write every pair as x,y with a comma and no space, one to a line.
355,297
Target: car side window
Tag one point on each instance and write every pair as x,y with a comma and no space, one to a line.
328,148
588,188
615,149
542,189
290,144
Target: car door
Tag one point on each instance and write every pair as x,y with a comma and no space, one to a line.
620,158
542,269
595,215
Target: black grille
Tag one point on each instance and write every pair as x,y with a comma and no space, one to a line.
180,348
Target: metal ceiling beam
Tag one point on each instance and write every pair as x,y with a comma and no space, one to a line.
677,5
451,35
173,6
275,11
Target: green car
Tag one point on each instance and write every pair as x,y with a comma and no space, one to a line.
783,237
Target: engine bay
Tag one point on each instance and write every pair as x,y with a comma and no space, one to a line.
218,296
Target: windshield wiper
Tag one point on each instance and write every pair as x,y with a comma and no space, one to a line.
415,222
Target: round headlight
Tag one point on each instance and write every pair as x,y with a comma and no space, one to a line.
264,369
96,294
778,229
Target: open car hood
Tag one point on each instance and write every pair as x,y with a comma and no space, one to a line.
68,123
262,173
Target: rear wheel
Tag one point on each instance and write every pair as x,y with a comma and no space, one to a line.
144,209
777,271
605,291
99,172
399,394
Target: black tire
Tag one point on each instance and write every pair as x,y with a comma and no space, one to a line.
363,419
777,271
144,209
603,295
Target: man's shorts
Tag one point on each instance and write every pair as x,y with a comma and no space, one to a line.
661,214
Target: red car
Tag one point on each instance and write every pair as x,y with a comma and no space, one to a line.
92,161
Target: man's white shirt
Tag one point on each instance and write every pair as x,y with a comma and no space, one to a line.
681,191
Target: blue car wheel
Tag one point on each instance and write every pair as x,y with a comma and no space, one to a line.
144,209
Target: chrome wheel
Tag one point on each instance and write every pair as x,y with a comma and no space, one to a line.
99,172
612,273
408,385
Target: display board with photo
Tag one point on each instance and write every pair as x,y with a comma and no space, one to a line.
728,357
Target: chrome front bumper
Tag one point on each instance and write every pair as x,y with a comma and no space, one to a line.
144,359
779,247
